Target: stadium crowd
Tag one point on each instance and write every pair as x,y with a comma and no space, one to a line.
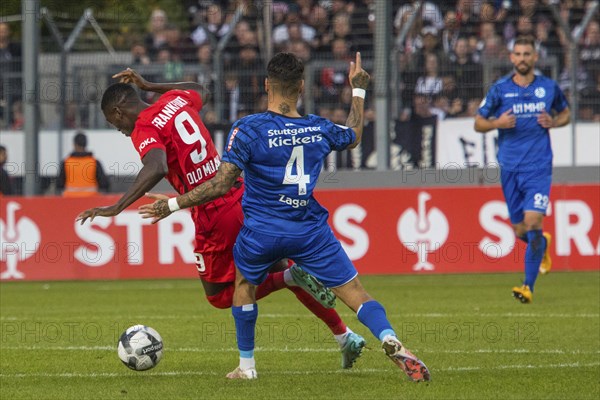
440,59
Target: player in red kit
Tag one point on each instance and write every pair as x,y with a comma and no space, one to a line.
173,143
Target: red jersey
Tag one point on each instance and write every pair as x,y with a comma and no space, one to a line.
173,125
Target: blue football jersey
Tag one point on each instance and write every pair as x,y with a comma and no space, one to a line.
282,158
526,147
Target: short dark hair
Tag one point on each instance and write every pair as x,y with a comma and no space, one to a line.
526,40
2,148
117,93
80,139
286,70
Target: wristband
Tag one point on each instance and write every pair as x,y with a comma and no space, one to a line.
173,206
358,92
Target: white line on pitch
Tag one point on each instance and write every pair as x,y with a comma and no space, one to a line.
357,371
301,350
343,315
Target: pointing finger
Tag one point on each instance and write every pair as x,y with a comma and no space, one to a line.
358,61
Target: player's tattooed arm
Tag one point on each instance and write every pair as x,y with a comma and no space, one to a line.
218,186
359,79
210,190
132,76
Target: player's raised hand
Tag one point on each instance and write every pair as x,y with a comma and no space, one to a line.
358,77
108,211
507,120
157,210
545,120
131,76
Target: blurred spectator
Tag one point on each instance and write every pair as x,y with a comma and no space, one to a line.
232,96
494,11
487,35
590,49
467,74
319,20
524,28
213,29
547,41
10,63
281,33
156,37
17,118
300,49
81,174
181,46
430,15
333,79
467,16
431,83
451,32
139,54
250,79
205,66
243,35
584,80
430,44
6,187
590,102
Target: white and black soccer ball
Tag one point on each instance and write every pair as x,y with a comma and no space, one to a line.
140,347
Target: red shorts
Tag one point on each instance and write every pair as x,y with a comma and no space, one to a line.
216,232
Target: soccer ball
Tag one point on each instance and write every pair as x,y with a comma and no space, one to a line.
140,347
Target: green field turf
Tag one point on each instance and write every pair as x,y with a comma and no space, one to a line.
58,341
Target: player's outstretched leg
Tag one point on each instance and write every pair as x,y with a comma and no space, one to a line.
414,368
313,286
372,314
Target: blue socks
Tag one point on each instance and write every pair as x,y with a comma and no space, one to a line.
245,324
536,247
372,315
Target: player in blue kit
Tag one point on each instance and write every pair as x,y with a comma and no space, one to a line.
281,154
523,107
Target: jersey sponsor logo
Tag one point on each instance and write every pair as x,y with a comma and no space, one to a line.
145,143
295,131
511,95
295,203
540,92
526,108
294,141
235,132
168,111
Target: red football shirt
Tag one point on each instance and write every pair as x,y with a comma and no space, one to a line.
173,125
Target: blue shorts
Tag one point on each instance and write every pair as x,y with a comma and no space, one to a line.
319,254
526,191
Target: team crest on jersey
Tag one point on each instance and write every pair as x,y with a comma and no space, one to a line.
235,131
540,92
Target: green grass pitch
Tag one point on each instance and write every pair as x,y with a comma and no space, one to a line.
58,341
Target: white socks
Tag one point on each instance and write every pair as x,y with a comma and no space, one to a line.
341,339
288,278
247,363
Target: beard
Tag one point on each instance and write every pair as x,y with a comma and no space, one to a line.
523,69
